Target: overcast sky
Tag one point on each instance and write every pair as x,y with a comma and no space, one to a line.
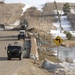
36,2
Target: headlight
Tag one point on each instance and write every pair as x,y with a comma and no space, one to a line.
8,51
19,51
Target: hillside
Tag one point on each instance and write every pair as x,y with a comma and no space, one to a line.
9,13
42,18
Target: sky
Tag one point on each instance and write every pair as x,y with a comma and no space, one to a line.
36,2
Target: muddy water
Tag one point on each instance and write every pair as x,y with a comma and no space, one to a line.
64,53
67,56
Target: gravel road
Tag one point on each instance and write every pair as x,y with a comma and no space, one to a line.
8,67
15,66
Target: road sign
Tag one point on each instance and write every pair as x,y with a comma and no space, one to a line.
58,40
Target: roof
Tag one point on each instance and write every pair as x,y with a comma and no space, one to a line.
14,44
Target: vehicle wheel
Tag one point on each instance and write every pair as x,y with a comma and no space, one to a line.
19,58
9,58
23,39
18,39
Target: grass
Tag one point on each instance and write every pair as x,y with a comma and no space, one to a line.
71,43
48,55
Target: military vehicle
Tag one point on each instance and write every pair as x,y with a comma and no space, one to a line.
14,51
2,27
21,35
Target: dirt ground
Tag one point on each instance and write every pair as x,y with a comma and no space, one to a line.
70,43
33,69
14,66
48,55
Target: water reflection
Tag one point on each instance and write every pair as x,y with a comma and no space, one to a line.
64,53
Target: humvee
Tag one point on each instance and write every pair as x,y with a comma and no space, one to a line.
14,51
21,35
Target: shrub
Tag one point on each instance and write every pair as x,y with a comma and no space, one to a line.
65,32
69,35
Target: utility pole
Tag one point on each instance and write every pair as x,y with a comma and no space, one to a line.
59,18
74,8
3,12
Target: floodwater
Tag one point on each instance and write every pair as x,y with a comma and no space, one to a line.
64,53
67,56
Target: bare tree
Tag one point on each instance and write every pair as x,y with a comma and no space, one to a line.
59,18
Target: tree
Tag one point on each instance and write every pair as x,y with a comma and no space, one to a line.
59,16
66,8
56,8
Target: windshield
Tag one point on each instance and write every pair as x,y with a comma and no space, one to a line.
22,32
14,47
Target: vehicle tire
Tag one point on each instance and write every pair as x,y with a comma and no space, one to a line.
23,38
9,58
18,38
19,58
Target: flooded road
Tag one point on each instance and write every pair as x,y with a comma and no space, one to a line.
65,52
